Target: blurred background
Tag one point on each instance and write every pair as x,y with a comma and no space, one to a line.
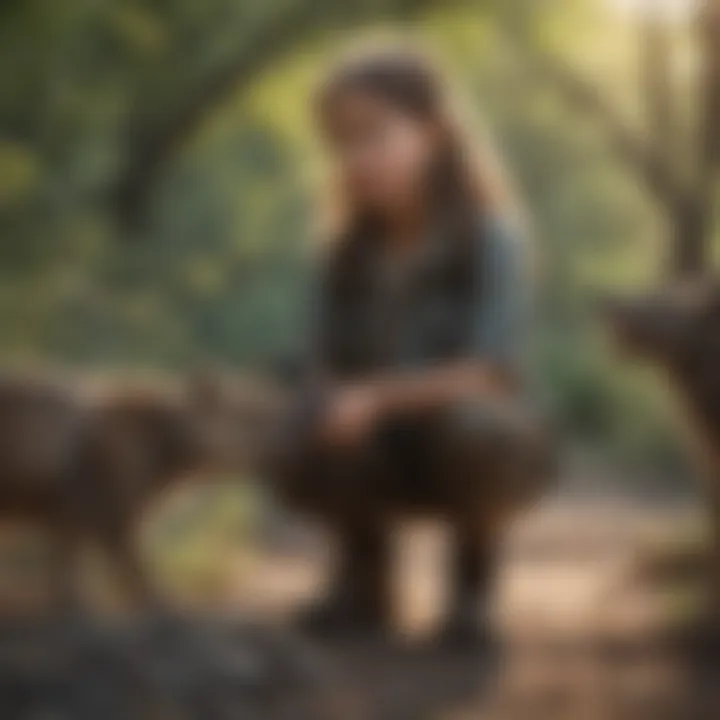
157,169
157,184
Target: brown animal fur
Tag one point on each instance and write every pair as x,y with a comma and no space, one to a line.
678,329
86,470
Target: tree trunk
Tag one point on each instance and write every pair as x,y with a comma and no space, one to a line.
690,232
693,223
657,86
714,556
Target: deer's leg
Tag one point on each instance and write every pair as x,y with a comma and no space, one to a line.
120,544
65,578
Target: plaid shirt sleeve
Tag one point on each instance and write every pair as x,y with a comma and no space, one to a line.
501,305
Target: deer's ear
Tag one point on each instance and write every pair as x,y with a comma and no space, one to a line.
204,387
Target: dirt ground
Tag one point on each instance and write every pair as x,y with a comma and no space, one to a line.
582,639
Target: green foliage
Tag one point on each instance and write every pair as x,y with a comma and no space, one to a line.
199,543
223,269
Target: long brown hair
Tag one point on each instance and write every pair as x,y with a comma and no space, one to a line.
462,189
466,172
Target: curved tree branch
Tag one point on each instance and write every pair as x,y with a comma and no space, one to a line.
151,149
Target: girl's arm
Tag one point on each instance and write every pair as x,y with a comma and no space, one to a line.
494,367
433,387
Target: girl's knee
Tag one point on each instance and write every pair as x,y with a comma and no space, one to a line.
490,424
502,439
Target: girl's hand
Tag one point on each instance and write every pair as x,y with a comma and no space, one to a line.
351,415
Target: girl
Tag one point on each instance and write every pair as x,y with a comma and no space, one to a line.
422,323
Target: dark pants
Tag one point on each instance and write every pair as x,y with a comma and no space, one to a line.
473,464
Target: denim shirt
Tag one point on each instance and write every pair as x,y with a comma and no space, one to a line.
409,320
501,306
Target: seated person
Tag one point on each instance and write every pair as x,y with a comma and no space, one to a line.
418,405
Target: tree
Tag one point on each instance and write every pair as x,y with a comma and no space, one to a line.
97,101
685,193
